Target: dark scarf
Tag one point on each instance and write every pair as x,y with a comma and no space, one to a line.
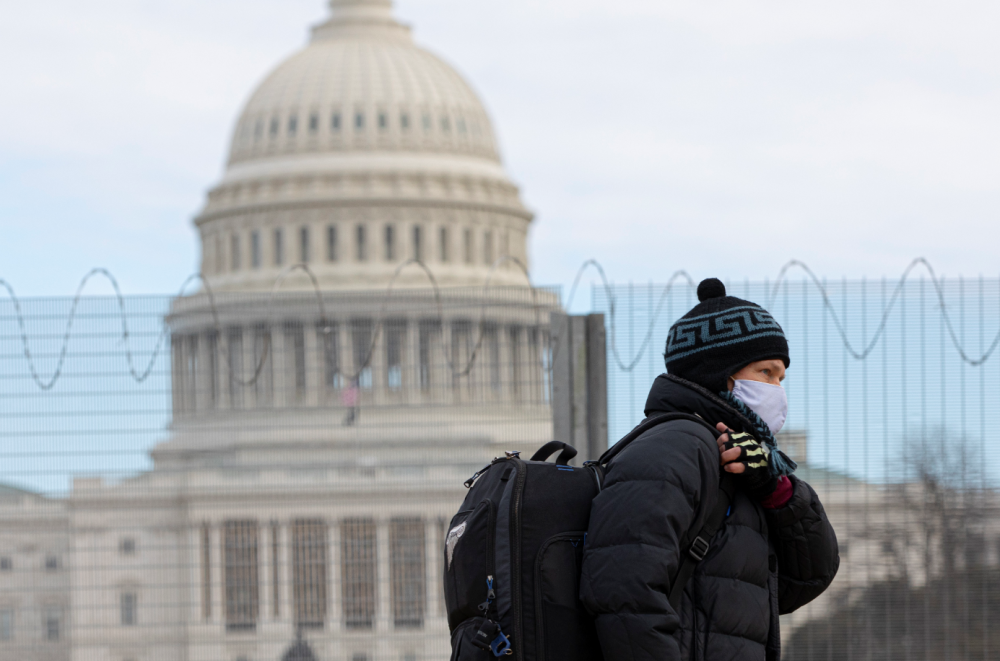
670,393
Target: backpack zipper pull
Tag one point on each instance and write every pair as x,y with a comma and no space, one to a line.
472,480
490,596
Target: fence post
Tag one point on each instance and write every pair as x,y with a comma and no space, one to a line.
579,383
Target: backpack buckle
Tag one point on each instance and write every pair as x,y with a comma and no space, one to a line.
699,547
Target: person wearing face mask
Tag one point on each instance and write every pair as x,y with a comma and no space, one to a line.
774,551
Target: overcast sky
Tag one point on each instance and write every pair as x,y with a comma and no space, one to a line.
720,137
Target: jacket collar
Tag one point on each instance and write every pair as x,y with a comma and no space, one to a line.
670,393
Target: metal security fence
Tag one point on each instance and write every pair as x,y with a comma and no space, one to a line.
892,415
247,477
257,477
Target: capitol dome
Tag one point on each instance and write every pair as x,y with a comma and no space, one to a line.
358,152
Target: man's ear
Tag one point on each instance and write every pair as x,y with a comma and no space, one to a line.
730,383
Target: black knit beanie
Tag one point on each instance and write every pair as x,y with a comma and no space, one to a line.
720,336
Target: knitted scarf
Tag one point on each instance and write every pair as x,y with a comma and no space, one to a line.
779,462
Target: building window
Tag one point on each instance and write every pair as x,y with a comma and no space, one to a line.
52,623
418,235
234,356
255,249
461,125
6,624
274,126
361,339
234,252
445,124
362,251
304,245
279,248
383,121
427,122
313,123
358,570
390,243
395,336
331,243
359,656
275,564
51,563
309,537
127,546
295,348
406,557
467,245
6,563
329,340
443,244
488,248
206,571
293,125
359,121
128,603
404,121
241,579
335,122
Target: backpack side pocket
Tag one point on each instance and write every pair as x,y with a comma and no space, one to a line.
564,629
468,561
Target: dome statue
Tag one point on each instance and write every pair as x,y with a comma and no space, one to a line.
355,154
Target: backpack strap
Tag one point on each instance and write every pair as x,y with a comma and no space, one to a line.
646,425
699,546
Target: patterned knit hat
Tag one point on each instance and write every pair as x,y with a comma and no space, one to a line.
720,336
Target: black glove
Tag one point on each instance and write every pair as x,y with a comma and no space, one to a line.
756,478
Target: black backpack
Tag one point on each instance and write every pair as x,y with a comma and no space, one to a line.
514,552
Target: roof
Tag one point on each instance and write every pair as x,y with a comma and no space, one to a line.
362,85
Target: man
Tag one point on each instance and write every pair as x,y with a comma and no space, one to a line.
775,550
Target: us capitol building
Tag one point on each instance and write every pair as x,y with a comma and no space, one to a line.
320,436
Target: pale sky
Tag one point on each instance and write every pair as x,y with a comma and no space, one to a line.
719,137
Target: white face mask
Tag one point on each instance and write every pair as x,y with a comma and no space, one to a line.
768,401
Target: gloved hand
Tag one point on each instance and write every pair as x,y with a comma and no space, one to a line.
744,456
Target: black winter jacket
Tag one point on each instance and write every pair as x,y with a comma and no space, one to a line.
657,495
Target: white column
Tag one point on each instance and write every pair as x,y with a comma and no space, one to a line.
411,361
314,362
218,579
264,557
433,563
285,573
280,356
334,610
383,609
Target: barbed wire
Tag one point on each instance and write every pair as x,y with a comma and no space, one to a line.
897,290
555,339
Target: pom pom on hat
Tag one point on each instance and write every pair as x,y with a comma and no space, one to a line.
711,288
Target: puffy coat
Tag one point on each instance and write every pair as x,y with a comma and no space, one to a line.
657,495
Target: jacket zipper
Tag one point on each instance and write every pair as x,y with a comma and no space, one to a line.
515,544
